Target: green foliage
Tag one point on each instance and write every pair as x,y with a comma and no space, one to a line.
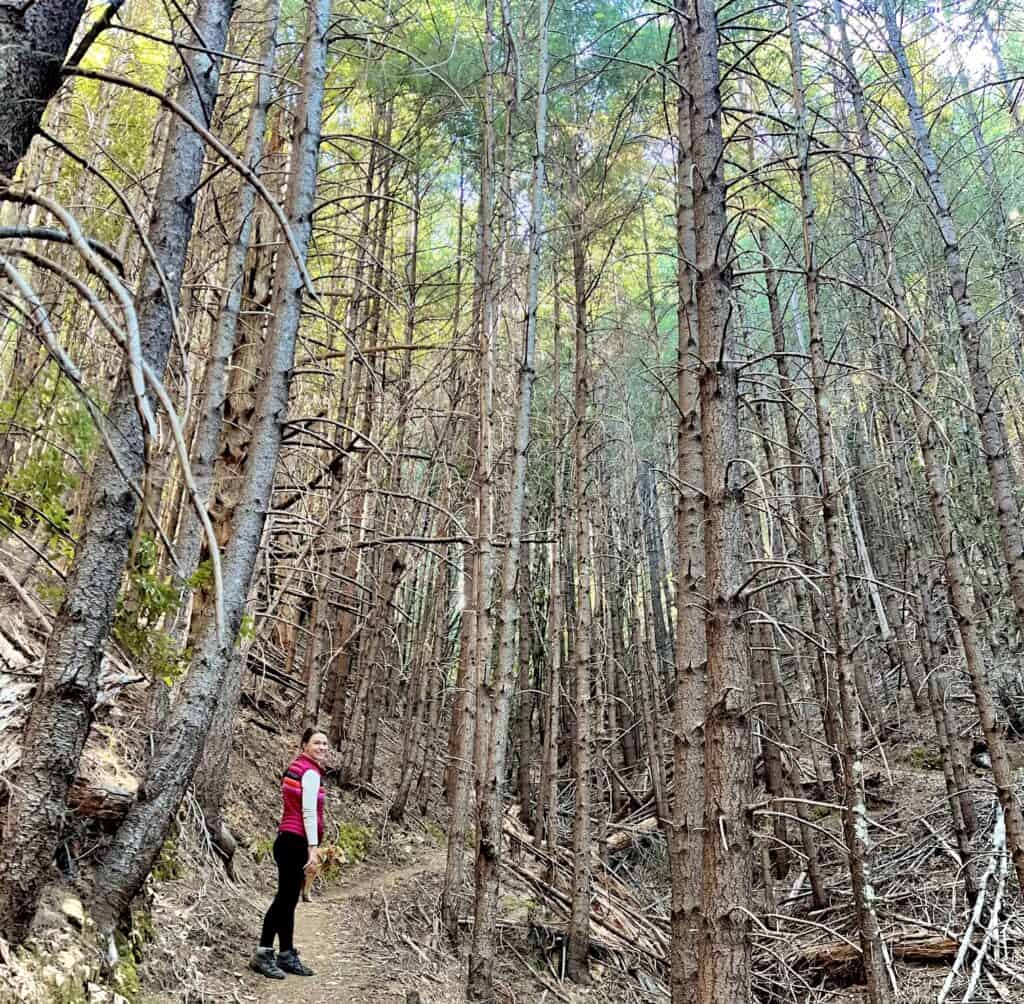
37,491
51,593
202,577
262,848
921,758
354,840
247,629
143,928
519,904
434,831
168,866
146,598
126,975
352,844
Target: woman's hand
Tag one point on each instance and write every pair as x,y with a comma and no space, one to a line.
311,861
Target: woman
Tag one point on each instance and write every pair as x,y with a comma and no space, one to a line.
295,851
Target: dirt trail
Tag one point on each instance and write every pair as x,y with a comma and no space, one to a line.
335,935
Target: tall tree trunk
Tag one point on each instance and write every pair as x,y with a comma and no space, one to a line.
466,724
579,923
223,443
524,712
137,842
547,794
62,711
1011,82
726,893
977,348
373,637
806,606
425,669
210,424
435,708
645,672
356,374
656,568
855,819
496,692
686,833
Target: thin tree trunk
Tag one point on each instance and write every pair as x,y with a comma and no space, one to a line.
547,795
977,348
497,691
466,724
435,703
1012,86
656,569
373,635
855,819
806,607
579,923
935,475
686,833
645,666
524,717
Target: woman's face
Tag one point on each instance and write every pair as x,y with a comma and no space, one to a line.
317,748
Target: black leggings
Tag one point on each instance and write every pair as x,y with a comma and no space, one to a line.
291,853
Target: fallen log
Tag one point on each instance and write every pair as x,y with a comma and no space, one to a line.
624,838
618,921
99,801
909,946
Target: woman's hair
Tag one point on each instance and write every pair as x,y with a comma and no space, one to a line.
309,733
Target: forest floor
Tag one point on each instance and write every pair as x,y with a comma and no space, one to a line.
371,932
339,937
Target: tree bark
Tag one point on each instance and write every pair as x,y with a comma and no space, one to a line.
656,569
579,923
726,894
686,833
373,636
547,794
976,342
210,423
935,476
524,712
34,41
855,819
466,724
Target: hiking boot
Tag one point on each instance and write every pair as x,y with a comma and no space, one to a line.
291,963
263,963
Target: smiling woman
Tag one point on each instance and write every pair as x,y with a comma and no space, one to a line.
295,851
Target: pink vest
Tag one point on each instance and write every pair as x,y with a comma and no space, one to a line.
291,797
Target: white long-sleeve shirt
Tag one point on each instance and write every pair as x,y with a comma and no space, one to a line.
310,790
